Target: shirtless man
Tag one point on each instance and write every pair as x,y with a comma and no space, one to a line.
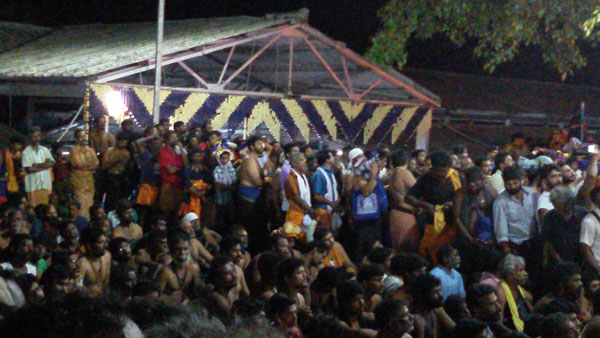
94,266
114,161
178,279
403,222
222,276
251,182
127,228
155,254
100,140
231,248
198,251
292,280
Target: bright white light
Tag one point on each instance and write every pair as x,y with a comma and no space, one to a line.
115,105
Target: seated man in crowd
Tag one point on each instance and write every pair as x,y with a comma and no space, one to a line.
514,301
95,264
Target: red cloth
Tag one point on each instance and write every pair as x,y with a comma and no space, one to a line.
166,156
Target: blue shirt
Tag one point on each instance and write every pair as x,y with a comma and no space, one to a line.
318,184
452,282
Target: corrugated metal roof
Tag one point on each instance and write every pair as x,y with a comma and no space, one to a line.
14,34
81,51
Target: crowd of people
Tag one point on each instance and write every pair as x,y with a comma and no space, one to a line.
180,232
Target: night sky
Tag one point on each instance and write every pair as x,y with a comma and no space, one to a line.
350,21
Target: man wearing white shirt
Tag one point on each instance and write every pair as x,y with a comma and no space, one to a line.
514,214
502,161
37,161
589,238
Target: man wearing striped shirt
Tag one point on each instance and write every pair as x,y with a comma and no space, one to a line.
37,161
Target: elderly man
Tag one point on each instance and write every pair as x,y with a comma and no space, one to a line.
37,161
513,299
297,192
561,226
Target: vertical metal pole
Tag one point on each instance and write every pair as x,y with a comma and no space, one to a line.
157,73
581,118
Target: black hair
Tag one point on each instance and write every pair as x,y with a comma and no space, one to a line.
16,139
453,306
320,233
122,136
474,174
511,173
287,267
422,286
216,133
404,263
319,245
416,153
177,235
475,293
369,271
145,287
178,124
347,291
379,255
228,243
440,159
249,307
399,158
386,311
562,272
123,205
157,235
479,161
443,252
552,324
287,148
500,158
469,328
90,235
459,149
327,279
267,266
115,244
252,140
547,169
561,305
213,272
278,303
322,156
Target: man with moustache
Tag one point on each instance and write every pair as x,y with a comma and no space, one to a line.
171,163
514,214
222,276
483,305
513,299
393,320
292,280
250,189
567,286
178,278
127,228
36,162
427,298
297,191
551,177
94,266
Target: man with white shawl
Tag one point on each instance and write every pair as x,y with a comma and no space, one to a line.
325,192
297,191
